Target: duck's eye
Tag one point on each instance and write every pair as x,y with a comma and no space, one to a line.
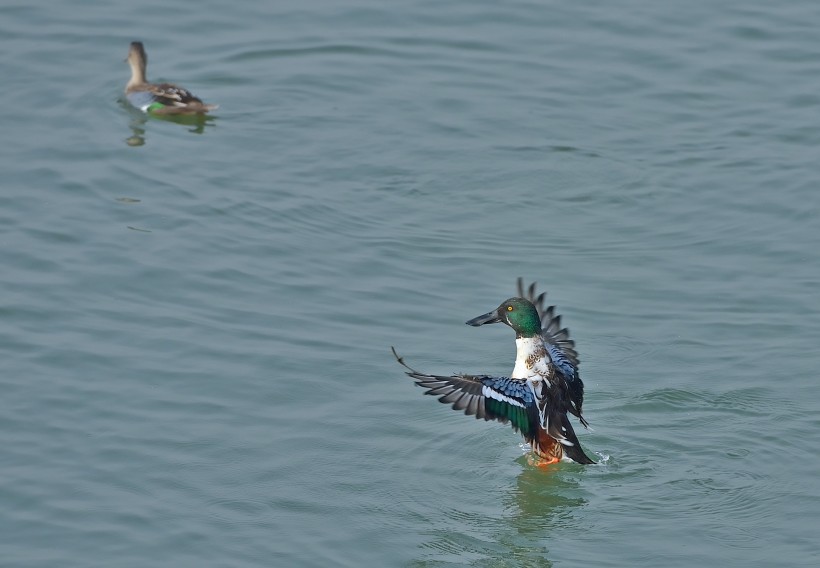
509,308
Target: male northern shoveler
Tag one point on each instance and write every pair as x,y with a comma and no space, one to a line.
543,387
158,98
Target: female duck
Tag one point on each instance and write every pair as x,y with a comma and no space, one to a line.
158,98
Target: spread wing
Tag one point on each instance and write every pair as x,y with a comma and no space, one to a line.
505,400
491,398
559,346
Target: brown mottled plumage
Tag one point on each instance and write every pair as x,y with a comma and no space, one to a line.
158,98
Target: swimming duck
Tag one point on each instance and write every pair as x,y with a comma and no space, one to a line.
158,98
542,389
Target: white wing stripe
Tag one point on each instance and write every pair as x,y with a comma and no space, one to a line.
490,393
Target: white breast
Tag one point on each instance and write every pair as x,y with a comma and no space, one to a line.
531,359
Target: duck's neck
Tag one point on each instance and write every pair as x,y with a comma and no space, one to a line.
137,73
531,358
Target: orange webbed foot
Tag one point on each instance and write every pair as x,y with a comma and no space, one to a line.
536,461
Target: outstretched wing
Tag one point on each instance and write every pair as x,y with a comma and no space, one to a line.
505,400
559,346
491,398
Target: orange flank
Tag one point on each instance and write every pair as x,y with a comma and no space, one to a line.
547,448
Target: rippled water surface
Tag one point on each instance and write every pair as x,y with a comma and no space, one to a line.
196,318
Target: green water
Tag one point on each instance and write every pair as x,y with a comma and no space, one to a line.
196,319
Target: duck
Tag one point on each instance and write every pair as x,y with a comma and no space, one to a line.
158,98
543,389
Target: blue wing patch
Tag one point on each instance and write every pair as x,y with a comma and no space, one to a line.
511,391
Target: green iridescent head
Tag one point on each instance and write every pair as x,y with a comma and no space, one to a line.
518,313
